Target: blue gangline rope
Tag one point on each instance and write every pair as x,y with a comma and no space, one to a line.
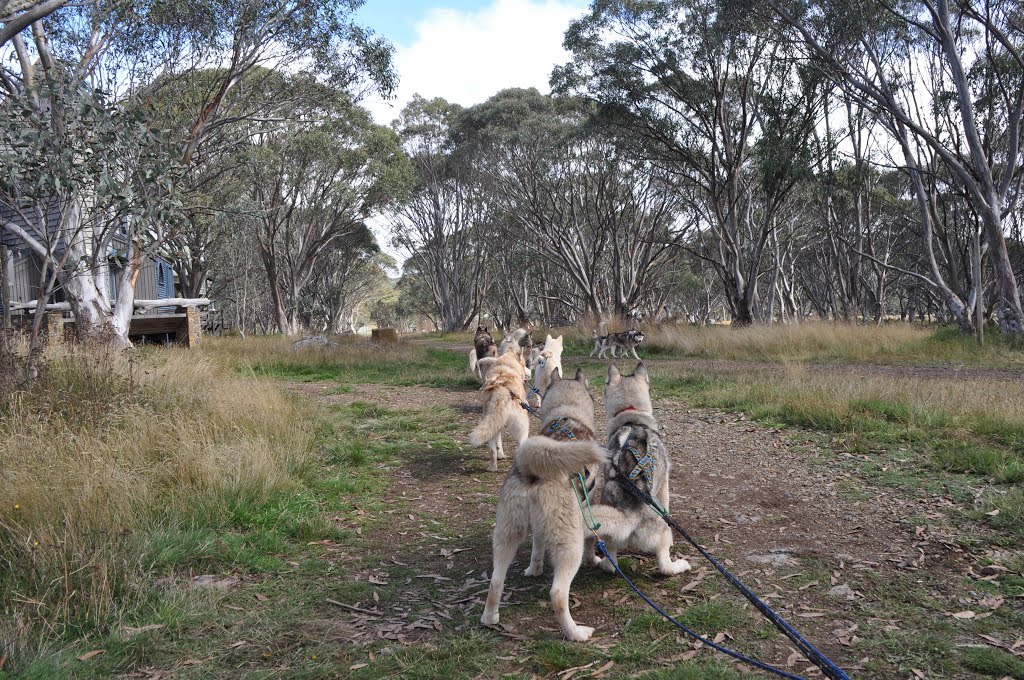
696,636
532,388
810,651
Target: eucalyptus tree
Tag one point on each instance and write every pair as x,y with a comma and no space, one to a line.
445,225
313,185
87,187
17,15
720,106
120,47
971,58
346,283
579,197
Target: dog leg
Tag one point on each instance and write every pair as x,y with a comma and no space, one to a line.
590,556
536,567
565,570
504,551
519,426
597,346
606,564
493,445
635,355
615,532
666,565
501,448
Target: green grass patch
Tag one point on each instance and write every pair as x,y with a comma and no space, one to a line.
994,663
411,366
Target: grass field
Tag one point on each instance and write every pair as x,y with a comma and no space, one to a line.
198,520
820,342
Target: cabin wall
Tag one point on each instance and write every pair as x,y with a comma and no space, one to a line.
25,277
156,280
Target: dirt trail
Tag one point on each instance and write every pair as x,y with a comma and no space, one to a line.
771,507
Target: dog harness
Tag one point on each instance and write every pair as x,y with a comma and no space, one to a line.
559,429
646,463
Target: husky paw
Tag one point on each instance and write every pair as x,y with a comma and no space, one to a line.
580,633
676,567
489,618
607,566
593,560
492,468
501,454
531,571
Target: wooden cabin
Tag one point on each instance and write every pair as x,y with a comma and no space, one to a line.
21,277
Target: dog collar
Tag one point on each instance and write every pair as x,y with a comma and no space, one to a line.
560,427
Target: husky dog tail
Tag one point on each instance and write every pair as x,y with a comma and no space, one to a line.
546,458
493,422
472,362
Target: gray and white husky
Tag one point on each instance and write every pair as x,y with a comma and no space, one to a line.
627,341
637,451
537,495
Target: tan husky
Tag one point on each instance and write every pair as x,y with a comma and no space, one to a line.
537,495
504,392
636,450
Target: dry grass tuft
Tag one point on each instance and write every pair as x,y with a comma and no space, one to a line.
105,448
981,405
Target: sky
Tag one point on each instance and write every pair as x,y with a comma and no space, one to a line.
466,50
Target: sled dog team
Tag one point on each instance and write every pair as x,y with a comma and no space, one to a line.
537,496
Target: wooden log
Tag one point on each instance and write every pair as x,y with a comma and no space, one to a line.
54,328
31,305
139,304
193,327
172,302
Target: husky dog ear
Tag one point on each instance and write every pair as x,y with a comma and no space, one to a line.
548,339
582,377
613,374
641,370
556,375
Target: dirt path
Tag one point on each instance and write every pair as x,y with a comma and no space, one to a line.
802,528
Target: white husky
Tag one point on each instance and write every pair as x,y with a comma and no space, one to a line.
548,362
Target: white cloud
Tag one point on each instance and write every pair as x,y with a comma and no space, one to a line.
466,56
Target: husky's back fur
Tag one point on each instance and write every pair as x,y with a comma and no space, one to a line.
504,392
537,495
